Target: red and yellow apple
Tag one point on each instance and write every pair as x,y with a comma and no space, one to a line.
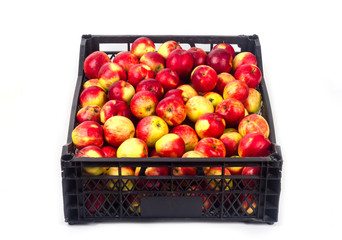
154,60
121,90
109,151
199,55
188,135
114,108
222,80
150,129
170,145
232,111
244,58
168,78
231,141
181,62
248,182
177,93
93,96
188,91
215,183
88,133
167,47
197,106
220,60
132,148
210,125
250,74
253,101
254,145
142,45
171,110
151,85
226,46
125,59
92,82
254,123
88,113
212,147
93,152
203,78
117,129
110,73
93,62
143,104
236,89
138,72
114,184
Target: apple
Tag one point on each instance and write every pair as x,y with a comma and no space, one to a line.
188,91
109,151
188,135
231,141
177,93
236,89
170,145
167,47
93,96
226,46
254,145
181,62
121,90
203,78
154,60
235,170
142,45
220,60
172,110
230,130
153,171
248,203
117,129
168,78
232,111
151,184
88,113
138,72
254,123
214,98
244,58
126,59
94,203
88,133
199,55
212,147
114,184
93,62
251,183
194,154
144,104
184,171
93,152
151,85
92,82
222,80
253,101
250,74
210,125
197,106
114,108
132,148
110,73
215,183
150,129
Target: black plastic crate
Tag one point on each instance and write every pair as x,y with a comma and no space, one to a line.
151,198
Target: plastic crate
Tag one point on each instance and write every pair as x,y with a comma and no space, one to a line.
235,198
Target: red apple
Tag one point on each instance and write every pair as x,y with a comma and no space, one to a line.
251,183
254,145
212,147
114,108
109,151
210,125
168,78
199,55
254,123
231,141
92,82
232,111
253,101
181,62
154,60
250,74
220,60
177,93
188,91
172,110
121,90
215,184
88,133
170,145
141,46
151,184
151,85
110,73
226,46
139,72
94,62
132,148
167,47
244,58
126,59
117,129
93,152
222,80
236,89
203,78
89,113
197,106
93,96
188,135
150,129
144,104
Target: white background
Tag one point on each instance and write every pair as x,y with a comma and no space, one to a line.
301,49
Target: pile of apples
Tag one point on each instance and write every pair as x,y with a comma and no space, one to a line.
171,102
